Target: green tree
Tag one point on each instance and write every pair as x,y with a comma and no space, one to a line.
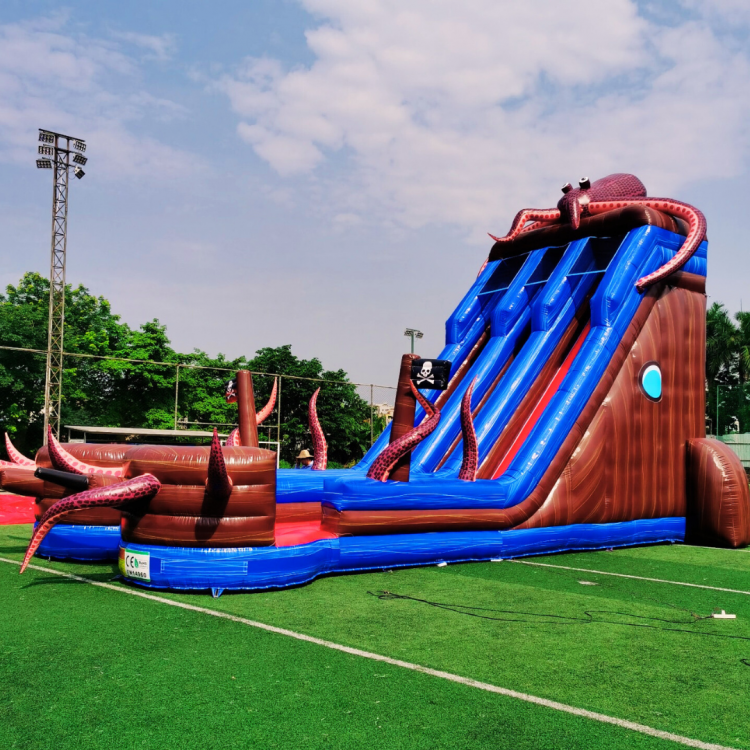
90,328
342,412
727,369
121,393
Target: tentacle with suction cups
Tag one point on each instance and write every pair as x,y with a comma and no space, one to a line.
609,193
264,413
218,482
320,447
525,215
63,461
470,462
231,397
385,462
15,455
114,496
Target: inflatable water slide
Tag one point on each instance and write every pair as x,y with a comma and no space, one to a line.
566,412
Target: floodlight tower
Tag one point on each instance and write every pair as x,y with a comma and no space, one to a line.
56,151
413,333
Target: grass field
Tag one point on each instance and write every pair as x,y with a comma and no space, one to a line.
88,667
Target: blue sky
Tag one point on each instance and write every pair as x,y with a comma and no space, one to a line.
323,173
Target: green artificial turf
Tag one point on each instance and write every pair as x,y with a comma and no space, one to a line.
84,667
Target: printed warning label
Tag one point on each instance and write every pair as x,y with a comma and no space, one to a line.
135,564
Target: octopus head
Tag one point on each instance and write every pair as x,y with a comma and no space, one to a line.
574,202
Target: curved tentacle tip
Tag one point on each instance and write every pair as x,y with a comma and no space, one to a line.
492,236
64,461
15,455
264,413
320,446
57,455
469,464
218,481
117,495
381,467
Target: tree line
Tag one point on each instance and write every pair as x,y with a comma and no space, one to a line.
112,393
727,370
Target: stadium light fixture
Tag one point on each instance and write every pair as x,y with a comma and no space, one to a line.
413,333
60,157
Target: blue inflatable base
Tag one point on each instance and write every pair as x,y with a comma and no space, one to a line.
82,543
259,568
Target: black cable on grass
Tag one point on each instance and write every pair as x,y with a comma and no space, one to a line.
552,619
608,584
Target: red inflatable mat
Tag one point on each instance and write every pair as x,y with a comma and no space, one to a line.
16,509
290,534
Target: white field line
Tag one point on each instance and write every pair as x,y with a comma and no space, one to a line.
638,578
641,728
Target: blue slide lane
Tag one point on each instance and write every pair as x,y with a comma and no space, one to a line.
278,567
552,312
612,309
510,319
463,329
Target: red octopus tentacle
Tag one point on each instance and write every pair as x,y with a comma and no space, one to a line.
63,461
320,447
113,496
11,465
15,455
262,415
233,438
218,482
696,231
538,225
470,461
382,465
525,215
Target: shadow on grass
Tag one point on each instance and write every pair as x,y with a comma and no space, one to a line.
10,548
106,576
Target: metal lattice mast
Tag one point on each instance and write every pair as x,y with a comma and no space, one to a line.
60,163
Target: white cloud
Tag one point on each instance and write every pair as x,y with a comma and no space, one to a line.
54,78
460,115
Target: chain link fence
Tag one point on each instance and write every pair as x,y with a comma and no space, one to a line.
370,405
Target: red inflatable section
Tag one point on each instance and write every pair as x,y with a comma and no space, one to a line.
16,509
289,534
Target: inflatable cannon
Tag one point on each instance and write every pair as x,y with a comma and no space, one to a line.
88,535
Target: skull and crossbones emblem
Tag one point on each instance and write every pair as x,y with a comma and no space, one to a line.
231,394
425,374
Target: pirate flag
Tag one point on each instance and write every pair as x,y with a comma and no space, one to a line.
432,374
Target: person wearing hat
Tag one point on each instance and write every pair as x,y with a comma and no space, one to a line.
304,460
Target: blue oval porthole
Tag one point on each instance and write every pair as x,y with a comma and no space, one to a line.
651,381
